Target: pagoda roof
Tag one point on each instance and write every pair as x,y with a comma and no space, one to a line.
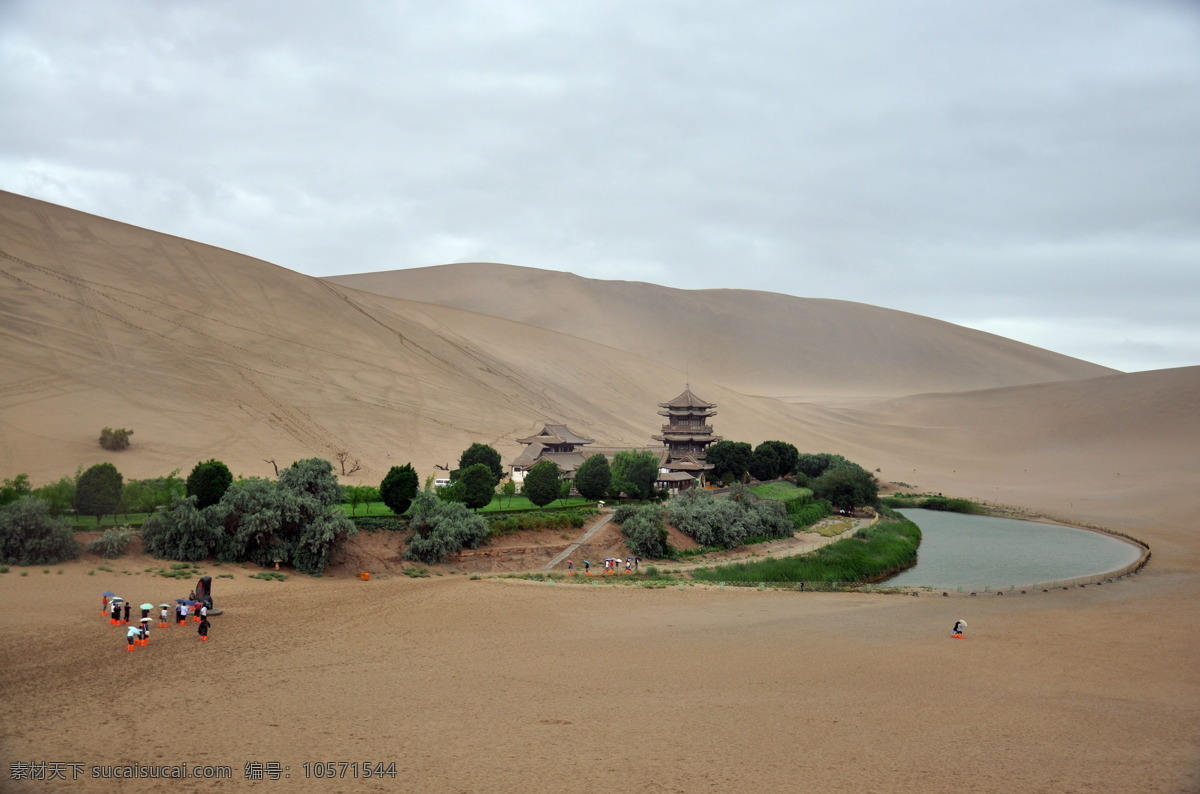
705,438
554,434
687,400
688,463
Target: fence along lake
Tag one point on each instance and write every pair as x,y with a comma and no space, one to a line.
975,552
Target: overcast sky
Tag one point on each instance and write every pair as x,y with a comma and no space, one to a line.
1029,168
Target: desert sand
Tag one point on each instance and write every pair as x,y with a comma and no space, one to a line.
481,685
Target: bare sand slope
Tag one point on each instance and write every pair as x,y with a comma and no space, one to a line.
205,353
756,342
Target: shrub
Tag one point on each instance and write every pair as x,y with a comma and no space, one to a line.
377,523
623,513
727,522
112,543
29,535
178,532
804,513
442,528
115,440
645,533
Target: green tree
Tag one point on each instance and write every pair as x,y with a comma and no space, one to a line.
315,527
846,487
814,465
14,489
509,490
593,477
115,440
482,453
476,485
60,495
787,453
29,535
542,484
208,482
398,488
98,492
764,462
634,473
730,458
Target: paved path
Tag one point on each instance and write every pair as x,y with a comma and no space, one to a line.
575,546
777,548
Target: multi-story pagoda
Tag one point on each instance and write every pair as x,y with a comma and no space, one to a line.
687,433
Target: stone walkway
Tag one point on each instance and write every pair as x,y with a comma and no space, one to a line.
575,545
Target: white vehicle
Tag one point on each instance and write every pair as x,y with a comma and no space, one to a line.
441,483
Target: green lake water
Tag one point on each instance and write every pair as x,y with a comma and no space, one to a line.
974,552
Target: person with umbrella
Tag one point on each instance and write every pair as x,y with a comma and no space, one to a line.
146,610
162,616
115,615
131,637
957,631
144,631
107,594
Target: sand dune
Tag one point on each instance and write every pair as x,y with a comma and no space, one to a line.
485,685
756,342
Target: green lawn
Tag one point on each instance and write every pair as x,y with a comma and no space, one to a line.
500,504
782,491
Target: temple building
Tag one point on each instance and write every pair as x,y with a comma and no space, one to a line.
553,442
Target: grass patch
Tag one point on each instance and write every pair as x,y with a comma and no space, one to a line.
267,576
416,572
782,491
499,504
933,502
872,554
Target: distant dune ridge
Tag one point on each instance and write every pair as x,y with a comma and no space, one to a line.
755,342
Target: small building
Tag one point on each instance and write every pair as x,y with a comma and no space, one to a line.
553,442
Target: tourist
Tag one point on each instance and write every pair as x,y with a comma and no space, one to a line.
115,615
131,637
127,611
181,611
571,567
957,631
628,564
202,629
144,631
587,568
163,621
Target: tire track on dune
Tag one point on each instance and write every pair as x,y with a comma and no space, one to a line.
538,399
99,334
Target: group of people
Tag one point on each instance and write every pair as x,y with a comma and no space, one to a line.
611,565
118,611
